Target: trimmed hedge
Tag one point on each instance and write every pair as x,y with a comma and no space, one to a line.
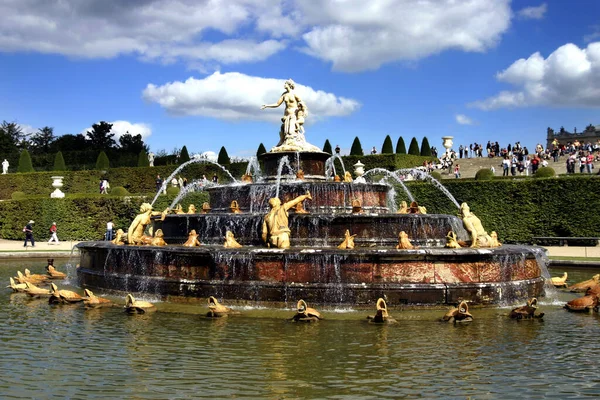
519,209
135,180
79,217
391,162
544,172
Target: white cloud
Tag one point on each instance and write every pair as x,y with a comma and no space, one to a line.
569,77
120,128
353,35
235,96
28,129
359,35
533,12
463,119
166,30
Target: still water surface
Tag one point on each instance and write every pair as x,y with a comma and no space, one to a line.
176,353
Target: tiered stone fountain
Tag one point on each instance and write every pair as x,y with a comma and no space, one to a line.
314,268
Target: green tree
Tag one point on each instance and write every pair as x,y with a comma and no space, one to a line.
413,148
102,162
59,162
400,146
132,143
25,162
68,142
261,150
327,147
356,149
223,158
11,137
42,140
100,137
388,147
425,147
184,156
143,159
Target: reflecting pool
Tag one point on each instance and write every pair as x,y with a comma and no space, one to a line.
176,353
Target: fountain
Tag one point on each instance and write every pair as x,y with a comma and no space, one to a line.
282,243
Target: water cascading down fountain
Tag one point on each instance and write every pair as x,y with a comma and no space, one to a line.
295,226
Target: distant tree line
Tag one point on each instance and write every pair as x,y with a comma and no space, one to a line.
79,151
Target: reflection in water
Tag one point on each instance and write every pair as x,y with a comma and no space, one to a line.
66,351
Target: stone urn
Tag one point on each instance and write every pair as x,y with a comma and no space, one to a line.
359,171
447,142
57,183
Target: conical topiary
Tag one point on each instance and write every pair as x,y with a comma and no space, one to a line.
413,149
25,162
387,147
425,147
327,147
102,163
356,149
143,159
223,158
184,156
261,150
59,162
400,146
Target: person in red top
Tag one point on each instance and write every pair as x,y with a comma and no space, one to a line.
589,165
53,236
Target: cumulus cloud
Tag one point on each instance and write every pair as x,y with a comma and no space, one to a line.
360,35
353,35
120,128
463,119
166,30
569,77
236,96
533,12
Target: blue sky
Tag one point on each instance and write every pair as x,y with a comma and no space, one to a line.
194,73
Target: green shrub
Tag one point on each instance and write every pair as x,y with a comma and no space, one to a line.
387,147
119,191
102,163
261,150
59,162
413,149
184,156
143,159
327,147
172,191
436,175
425,148
223,157
25,162
18,195
484,174
545,172
356,149
400,146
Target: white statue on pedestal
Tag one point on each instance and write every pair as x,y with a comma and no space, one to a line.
291,134
5,167
151,159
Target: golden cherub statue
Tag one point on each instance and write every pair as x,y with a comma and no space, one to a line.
348,242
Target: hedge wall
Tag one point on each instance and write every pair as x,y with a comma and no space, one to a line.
78,217
135,180
391,162
521,209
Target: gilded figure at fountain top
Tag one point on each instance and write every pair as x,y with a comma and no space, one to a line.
291,134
